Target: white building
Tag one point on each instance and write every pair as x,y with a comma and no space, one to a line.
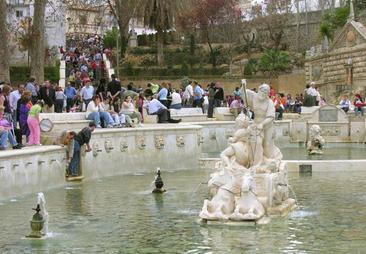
20,15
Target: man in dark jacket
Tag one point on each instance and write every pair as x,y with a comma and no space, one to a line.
48,94
82,138
219,95
114,92
211,100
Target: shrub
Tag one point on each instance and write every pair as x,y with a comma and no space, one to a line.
274,62
110,38
20,74
184,70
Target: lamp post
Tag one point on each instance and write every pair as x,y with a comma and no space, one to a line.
117,45
117,72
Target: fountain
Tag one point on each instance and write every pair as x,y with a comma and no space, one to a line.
159,184
316,143
39,220
250,182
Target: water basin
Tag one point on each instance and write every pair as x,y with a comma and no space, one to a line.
119,215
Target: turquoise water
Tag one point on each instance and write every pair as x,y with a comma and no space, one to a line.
119,215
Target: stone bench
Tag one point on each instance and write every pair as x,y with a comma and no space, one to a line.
186,114
223,114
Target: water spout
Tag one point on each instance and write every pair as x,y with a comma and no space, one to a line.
293,193
41,201
159,184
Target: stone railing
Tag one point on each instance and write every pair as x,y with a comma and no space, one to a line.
62,81
108,66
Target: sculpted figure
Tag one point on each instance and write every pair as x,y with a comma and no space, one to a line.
237,156
222,204
280,189
316,143
264,115
248,206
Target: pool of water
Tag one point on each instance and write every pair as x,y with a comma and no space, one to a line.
120,215
332,151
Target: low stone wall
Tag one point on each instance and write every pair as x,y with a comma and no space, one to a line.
115,152
294,166
31,170
126,151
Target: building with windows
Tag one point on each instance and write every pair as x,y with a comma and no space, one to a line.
20,15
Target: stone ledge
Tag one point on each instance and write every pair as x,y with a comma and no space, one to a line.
30,150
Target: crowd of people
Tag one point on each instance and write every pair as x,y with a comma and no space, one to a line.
355,105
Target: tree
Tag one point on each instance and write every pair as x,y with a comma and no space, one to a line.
37,49
208,16
110,38
274,62
273,18
333,20
123,11
160,15
4,49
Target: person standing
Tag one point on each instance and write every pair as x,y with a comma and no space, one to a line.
87,92
23,107
60,100
219,95
33,124
31,87
13,101
48,94
14,97
70,93
188,95
211,100
82,138
198,96
114,91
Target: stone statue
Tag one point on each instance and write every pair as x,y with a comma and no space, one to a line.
222,204
264,112
248,206
316,143
250,180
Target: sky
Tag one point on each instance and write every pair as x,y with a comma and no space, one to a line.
312,4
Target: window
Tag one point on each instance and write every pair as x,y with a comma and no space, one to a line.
19,14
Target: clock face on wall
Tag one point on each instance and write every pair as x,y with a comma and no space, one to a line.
46,125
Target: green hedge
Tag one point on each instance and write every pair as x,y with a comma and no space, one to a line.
184,70
20,74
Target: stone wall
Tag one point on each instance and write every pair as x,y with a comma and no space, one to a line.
128,151
31,170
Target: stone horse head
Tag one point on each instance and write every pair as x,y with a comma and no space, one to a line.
248,184
219,179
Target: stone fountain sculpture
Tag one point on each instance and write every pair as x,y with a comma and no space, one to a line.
316,143
250,181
